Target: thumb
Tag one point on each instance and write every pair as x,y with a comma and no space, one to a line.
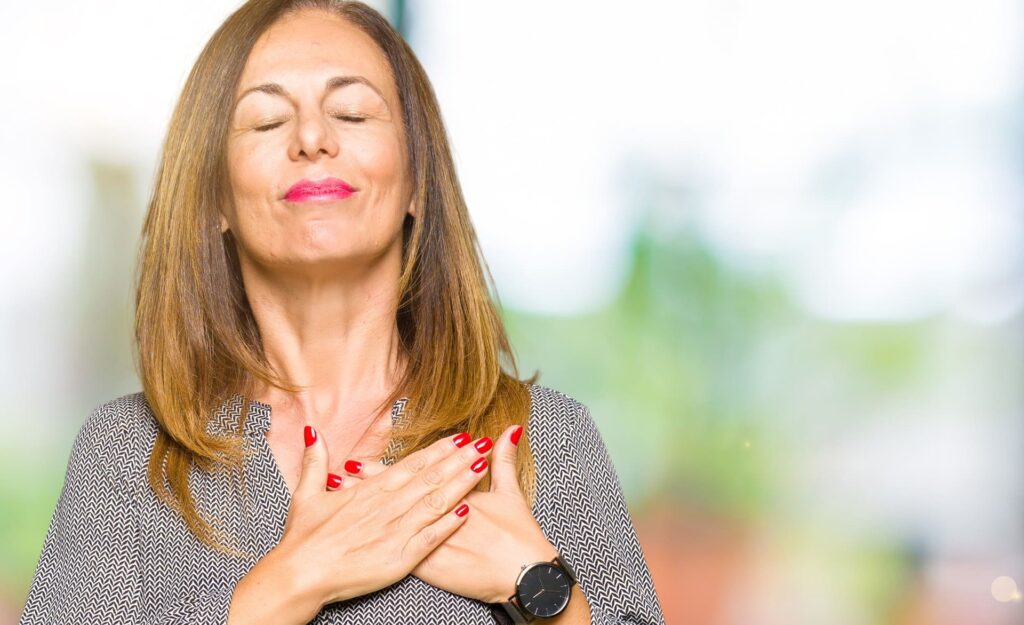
314,464
504,471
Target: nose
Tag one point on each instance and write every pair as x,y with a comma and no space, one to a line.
313,138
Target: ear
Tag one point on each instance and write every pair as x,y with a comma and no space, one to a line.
412,207
224,226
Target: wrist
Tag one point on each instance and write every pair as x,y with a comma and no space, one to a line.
297,592
263,595
507,585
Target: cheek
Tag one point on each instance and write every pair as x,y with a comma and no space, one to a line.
248,167
251,168
381,160
250,174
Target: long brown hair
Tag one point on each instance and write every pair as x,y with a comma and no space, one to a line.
196,340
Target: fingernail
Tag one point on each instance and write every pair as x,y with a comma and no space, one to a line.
309,433
479,465
516,434
483,444
333,480
353,466
461,439
462,510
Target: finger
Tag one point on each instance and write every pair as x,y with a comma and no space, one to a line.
436,489
314,464
335,481
410,466
428,538
361,471
504,466
364,468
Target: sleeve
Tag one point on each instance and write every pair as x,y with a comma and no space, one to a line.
89,569
600,542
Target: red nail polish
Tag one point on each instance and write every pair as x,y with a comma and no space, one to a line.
309,433
483,444
462,510
516,434
353,466
461,439
333,480
479,465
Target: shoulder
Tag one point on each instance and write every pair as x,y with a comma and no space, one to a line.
556,415
552,400
117,434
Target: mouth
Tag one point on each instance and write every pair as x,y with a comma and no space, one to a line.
323,190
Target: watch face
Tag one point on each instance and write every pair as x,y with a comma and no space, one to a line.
544,590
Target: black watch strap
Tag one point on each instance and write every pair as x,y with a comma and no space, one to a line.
501,617
568,569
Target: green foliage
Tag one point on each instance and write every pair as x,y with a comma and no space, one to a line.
31,503
696,373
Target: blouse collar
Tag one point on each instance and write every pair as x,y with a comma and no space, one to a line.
225,418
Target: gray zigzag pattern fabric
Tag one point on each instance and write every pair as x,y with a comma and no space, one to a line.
114,554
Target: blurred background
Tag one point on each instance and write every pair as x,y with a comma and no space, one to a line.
776,247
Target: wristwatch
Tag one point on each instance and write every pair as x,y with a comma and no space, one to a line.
543,590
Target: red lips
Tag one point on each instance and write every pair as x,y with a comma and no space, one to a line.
323,190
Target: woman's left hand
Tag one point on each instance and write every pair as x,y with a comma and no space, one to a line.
498,538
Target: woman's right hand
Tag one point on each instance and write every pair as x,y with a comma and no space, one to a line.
353,541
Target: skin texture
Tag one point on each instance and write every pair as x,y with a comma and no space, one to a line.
322,282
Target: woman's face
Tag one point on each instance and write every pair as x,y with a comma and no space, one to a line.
316,100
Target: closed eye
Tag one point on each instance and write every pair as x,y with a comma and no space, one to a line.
347,118
350,118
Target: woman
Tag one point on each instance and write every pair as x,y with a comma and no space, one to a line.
308,265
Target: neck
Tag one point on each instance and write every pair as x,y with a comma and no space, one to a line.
332,333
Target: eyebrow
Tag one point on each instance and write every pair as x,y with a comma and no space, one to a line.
335,82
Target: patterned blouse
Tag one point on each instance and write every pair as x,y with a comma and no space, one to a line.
115,554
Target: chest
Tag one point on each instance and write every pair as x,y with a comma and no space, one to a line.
288,448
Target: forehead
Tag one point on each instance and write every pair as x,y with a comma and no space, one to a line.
301,50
